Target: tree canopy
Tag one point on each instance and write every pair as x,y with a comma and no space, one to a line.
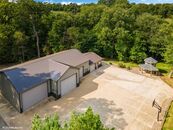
112,28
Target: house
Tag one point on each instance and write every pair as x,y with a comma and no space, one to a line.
149,66
55,75
94,60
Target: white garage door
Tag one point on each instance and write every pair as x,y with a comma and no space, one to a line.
68,84
81,72
92,67
33,96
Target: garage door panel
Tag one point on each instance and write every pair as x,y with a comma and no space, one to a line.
34,96
68,84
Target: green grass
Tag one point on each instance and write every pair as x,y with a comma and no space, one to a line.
164,68
127,64
168,125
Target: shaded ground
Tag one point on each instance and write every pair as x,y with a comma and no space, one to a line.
3,124
123,100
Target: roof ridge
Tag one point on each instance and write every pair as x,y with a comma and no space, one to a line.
35,60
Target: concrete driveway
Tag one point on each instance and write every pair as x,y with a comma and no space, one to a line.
122,98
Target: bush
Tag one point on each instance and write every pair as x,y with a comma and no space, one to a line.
128,67
78,121
121,65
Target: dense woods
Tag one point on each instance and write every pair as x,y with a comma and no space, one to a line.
111,28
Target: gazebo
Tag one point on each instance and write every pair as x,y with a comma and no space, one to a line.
151,61
149,66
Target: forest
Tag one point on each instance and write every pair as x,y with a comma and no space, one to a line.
113,29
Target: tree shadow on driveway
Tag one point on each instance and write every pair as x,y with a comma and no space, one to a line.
111,115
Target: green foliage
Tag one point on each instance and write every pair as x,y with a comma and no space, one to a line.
121,65
115,62
123,39
138,51
112,2
128,67
168,125
112,28
49,123
78,121
169,53
85,121
164,68
36,123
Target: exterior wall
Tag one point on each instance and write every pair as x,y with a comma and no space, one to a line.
92,67
69,73
98,64
85,66
34,96
9,92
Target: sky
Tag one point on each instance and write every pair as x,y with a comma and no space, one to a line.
95,1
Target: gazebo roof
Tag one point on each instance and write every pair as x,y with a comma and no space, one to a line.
148,67
150,60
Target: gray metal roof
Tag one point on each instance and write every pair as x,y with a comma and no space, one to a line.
72,57
93,57
25,76
150,60
148,67
28,76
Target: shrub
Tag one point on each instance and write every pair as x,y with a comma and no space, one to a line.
128,67
121,65
78,121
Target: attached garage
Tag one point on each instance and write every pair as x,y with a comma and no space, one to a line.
33,96
26,84
68,84
92,67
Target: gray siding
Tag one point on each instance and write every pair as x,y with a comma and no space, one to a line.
86,66
69,73
9,92
98,64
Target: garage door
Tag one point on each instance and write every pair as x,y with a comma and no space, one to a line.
81,72
68,84
92,67
33,96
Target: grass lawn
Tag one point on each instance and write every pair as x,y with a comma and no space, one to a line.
115,62
168,125
164,68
